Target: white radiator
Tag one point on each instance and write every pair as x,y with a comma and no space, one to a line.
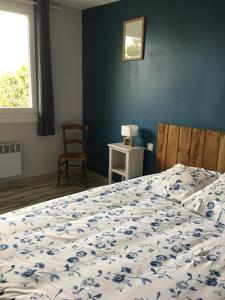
10,159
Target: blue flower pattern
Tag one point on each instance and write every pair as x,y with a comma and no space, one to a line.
180,182
115,242
210,201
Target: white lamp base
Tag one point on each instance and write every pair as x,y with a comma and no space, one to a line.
128,141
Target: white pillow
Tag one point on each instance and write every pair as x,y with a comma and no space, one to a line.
209,202
180,182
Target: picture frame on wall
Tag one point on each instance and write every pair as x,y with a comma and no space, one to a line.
133,39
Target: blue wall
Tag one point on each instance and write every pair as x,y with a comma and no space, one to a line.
180,81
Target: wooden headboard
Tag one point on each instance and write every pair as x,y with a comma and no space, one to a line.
191,147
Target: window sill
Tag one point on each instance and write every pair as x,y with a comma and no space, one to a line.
17,115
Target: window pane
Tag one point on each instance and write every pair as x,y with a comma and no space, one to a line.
15,83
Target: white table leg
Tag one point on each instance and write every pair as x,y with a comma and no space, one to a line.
127,171
110,165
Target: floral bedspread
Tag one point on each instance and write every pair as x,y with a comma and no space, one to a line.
113,242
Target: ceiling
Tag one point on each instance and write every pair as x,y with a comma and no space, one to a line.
82,4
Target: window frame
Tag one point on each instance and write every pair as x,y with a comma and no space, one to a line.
23,115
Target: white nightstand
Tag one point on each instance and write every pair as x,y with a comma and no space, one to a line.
125,160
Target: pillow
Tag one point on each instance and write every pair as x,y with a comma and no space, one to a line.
160,179
209,202
180,182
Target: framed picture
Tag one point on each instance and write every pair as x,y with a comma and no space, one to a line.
133,39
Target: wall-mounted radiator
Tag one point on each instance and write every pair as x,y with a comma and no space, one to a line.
10,159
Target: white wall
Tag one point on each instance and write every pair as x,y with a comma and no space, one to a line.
39,154
66,36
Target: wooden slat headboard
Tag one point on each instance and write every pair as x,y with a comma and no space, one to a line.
191,147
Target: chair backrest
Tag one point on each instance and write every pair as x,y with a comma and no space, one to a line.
67,141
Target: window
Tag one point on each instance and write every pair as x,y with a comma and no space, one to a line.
17,64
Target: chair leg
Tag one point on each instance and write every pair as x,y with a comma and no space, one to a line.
59,171
85,169
67,169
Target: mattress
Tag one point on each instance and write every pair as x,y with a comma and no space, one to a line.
114,242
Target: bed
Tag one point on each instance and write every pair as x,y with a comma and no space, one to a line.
123,241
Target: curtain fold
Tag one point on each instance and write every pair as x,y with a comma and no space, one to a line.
46,119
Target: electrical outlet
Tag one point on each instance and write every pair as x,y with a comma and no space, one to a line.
150,147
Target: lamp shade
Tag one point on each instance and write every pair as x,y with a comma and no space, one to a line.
129,130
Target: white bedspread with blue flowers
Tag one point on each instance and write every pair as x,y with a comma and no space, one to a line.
113,242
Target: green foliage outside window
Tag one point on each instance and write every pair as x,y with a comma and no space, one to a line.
14,89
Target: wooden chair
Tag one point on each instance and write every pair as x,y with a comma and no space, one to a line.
64,158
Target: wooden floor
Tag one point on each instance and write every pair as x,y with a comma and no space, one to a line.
27,192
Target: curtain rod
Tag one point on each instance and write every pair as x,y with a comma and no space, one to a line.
35,3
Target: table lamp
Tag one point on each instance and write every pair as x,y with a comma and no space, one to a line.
129,132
